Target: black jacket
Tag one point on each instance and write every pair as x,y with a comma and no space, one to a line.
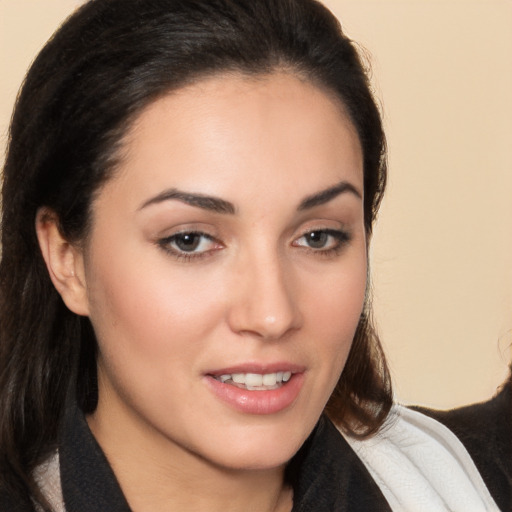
485,429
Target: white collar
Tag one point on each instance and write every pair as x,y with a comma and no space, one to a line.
421,466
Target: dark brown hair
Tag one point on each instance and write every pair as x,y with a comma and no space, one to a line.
107,62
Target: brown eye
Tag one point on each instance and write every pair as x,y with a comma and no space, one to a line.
191,243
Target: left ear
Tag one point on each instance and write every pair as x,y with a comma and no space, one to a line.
64,262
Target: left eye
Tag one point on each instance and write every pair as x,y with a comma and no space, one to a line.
322,239
190,242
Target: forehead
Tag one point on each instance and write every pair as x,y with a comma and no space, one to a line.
231,132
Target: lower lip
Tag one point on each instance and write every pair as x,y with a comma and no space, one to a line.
258,402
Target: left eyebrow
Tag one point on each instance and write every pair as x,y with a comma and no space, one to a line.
328,194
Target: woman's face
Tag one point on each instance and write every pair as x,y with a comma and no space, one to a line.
225,271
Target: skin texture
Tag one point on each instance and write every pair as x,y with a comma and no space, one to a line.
255,291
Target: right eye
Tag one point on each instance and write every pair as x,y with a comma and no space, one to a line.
189,244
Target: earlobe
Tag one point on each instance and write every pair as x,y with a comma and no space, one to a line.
64,262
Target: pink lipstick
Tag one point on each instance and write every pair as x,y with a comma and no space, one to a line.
254,389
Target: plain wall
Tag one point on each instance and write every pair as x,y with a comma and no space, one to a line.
441,254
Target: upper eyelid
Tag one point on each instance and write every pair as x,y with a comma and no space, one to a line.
298,234
189,232
330,230
324,228
183,230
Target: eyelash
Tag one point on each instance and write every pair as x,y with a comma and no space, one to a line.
341,238
165,244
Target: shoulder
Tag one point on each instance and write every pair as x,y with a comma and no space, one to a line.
485,430
47,478
476,421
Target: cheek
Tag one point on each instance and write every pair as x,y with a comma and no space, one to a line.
334,313
143,309
341,293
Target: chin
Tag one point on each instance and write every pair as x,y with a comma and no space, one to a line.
260,449
257,460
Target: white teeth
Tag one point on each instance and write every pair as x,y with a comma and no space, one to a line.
269,379
253,379
239,378
257,380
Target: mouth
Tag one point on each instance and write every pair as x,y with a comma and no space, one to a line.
255,381
257,388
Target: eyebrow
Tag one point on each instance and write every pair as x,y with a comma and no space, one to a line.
213,204
328,194
217,205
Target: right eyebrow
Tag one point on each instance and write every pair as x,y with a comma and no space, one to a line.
211,203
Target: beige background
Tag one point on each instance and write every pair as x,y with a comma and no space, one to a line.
441,256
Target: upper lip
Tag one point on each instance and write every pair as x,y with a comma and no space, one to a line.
261,368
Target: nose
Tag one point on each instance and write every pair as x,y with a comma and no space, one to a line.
264,300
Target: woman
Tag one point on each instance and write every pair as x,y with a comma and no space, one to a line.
189,194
